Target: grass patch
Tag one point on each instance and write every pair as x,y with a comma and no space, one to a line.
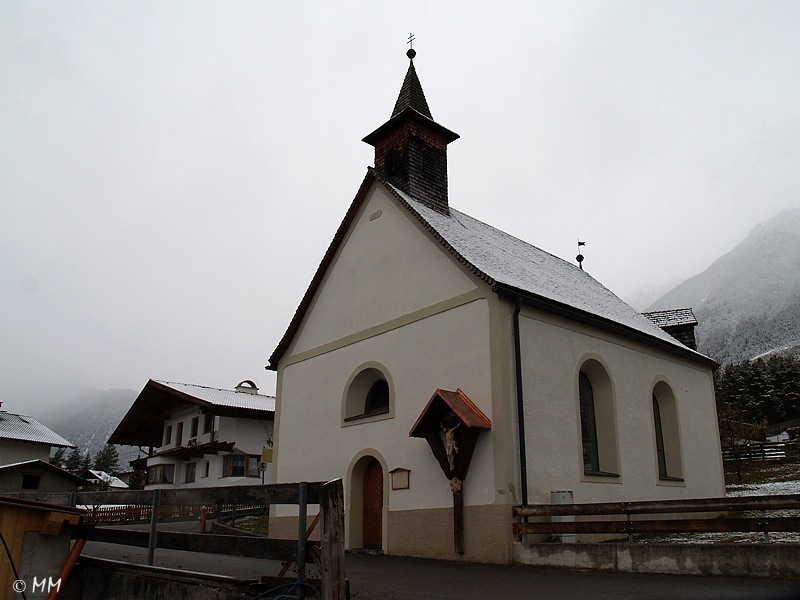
256,524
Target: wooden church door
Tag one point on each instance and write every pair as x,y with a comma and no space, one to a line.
373,504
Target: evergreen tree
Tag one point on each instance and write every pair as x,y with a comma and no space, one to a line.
73,462
86,462
137,480
107,459
58,459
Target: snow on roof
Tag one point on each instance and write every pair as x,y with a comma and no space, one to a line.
227,398
504,259
28,429
111,480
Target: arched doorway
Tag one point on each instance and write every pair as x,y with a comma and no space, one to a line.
372,502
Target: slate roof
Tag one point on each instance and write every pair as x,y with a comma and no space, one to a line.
512,267
28,429
672,318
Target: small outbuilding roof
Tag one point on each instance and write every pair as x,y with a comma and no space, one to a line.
27,429
143,424
36,464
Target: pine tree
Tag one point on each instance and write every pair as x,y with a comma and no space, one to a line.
73,462
58,459
86,462
107,459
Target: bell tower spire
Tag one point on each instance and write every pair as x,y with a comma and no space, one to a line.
411,148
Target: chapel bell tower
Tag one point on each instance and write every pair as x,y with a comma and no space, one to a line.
411,148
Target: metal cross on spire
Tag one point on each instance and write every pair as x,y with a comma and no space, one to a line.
411,52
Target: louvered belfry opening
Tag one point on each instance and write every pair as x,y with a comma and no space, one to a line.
411,148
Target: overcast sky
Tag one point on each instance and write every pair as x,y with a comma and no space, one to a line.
171,173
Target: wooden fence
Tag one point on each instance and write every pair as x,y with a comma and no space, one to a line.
625,518
329,496
760,452
139,513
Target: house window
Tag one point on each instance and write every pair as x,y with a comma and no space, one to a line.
168,435
206,468
191,470
161,474
368,396
240,465
598,421
195,426
667,438
208,424
31,482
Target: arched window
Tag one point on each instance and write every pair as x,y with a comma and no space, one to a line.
661,456
368,396
377,401
591,459
666,433
598,421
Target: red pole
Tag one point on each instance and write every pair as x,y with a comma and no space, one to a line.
66,570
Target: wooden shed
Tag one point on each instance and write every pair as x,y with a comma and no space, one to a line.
35,540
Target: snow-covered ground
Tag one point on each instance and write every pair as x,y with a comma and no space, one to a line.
777,480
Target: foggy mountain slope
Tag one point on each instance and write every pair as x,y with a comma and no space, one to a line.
748,301
89,417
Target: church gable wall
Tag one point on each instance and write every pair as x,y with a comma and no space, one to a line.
386,267
447,350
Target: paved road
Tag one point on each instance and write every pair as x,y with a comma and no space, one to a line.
394,578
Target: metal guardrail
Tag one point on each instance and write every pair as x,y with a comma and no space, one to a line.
626,517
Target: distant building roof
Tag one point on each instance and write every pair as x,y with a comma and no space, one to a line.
92,475
40,464
672,317
28,429
143,425
219,397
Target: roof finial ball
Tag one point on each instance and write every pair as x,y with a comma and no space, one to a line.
411,52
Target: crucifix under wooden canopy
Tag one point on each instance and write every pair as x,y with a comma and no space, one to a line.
450,424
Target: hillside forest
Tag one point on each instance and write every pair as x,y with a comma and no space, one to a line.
764,390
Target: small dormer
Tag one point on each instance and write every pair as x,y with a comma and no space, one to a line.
411,148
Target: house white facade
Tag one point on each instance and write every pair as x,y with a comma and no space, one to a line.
200,436
522,373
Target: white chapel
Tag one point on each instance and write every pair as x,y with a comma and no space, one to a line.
445,369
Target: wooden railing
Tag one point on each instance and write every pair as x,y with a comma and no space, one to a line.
138,513
766,451
329,496
629,518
